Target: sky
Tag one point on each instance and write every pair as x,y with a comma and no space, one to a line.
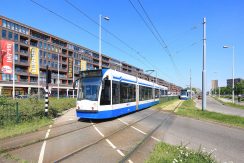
179,23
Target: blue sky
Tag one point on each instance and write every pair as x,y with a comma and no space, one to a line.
178,22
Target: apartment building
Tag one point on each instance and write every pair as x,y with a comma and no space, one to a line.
62,57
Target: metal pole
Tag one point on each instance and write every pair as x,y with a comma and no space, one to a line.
13,70
190,86
38,82
219,92
100,41
73,76
233,83
204,67
58,76
46,93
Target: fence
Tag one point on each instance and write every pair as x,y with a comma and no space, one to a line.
9,113
167,98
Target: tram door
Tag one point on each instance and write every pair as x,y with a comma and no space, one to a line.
137,97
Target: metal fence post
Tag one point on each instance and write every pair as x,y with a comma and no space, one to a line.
17,112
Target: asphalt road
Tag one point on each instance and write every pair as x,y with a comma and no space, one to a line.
115,138
215,106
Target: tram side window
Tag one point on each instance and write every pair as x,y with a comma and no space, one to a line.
156,93
132,93
116,92
150,94
124,92
106,93
127,92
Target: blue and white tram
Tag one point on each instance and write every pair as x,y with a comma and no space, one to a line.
108,93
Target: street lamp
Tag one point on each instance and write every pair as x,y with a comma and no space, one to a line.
233,53
156,74
100,38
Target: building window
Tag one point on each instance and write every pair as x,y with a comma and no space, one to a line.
16,37
4,23
16,57
40,54
10,35
4,33
12,26
16,27
16,47
45,45
40,44
8,25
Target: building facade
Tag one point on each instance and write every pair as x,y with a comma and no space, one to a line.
230,81
214,84
63,58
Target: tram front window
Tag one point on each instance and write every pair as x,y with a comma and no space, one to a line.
89,88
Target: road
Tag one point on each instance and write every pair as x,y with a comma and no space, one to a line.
215,106
112,140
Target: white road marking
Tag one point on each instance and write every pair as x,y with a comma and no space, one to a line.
41,156
123,121
98,130
47,134
121,153
111,144
138,130
130,161
155,139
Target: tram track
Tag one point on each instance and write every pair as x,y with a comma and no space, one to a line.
103,138
145,139
41,140
9,149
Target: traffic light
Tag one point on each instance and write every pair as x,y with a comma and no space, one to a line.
48,75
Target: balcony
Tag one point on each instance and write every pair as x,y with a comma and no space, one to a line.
24,41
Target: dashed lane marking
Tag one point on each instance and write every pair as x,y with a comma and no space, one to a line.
123,121
41,156
155,138
138,130
121,153
111,144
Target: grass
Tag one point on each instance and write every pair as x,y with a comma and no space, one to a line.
188,109
11,130
229,103
31,113
161,105
171,154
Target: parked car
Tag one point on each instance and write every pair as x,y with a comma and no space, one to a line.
22,96
199,97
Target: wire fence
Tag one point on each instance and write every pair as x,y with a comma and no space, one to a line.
9,113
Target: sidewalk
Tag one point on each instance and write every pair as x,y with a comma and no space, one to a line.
230,100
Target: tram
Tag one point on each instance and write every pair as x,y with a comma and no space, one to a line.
184,94
107,93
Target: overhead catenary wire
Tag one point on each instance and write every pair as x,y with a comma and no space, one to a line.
158,37
83,29
112,34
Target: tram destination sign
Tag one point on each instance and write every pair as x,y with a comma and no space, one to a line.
91,73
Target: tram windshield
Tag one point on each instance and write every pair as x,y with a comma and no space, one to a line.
89,88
